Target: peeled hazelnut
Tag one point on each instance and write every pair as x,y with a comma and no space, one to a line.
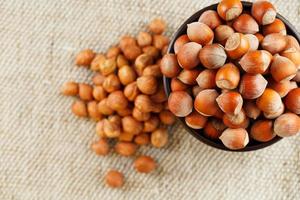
108,66
113,52
85,92
93,111
151,51
196,89
98,59
144,39
144,164
205,102
143,103
262,131
114,179
292,42
69,89
180,103
276,113
166,117
127,40
245,24
142,62
252,86
177,85
264,12
79,108
157,26
103,107
125,137
131,52
111,129
180,41
195,120
111,83
125,148
253,41
235,138
207,79
275,27
292,101
274,43
159,138
210,18
160,41
222,33
125,112
147,84
260,37
282,69
139,115
283,87
117,100
152,70
188,76
230,102
251,110
212,56
159,96
101,147
131,125
228,77
255,62
229,9
200,33
237,45
121,61
169,66
100,129
151,124
99,93
287,125
294,55
213,129
187,55
157,107
126,75
85,57
131,91
269,101
142,139
98,79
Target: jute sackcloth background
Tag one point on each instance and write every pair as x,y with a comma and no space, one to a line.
44,149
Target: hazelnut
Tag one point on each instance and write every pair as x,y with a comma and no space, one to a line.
147,84
127,40
205,102
264,12
142,62
212,56
187,55
131,125
287,125
117,101
108,66
222,33
213,129
269,101
157,26
95,64
252,86
112,129
294,55
131,52
85,92
157,107
125,148
151,124
200,33
253,42
79,108
180,103
251,110
282,69
235,138
93,112
274,43
292,42
207,79
292,101
114,179
142,139
230,102
276,113
195,120
210,18
177,85
100,147
256,62
139,115
159,96
125,112
151,51
126,75
111,83
245,24
103,107
113,52
143,103
85,57
144,39
160,41
169,66
228,77
229,9
237,45
131,91
195,90
180,41
100,129
126,137
166,117
276,27
99,93
144,164
152,70
259,36
98,79
262,131
121,61
239,120
159,137
189,76
69,89
283,87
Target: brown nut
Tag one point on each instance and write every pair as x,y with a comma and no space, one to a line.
142,139
292,101
235,138
103,107
207,79
147,84
253,42
125,112
251,110
189,76
275,27
152,70
98,79
142,62
294,55
144,164
262,131
212,56
177,85
117,100
99,93
287,125
100,147
282,69
195,120
169,66
111,83
114,179
126,137
282,87
210,18
85,92
95,64
252,86
79,108
131,91
85,57
69,89
275,114
205,102
139,115
274,43
125,148
292,42
239,120
144,39
237,45
100,129
92,108
126,75
151,51
131,52
111,127
245,24
187,55
256,62
108,66
180,103
121,61
213,129
222,33
159,96
143,103
228,77
200,33
159,138
180,41
166,117
151,124
157,26
230,102
264,12
160,41
229,9
127,40
269,101
113,52
131,125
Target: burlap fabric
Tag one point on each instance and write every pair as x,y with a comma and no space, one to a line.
44,149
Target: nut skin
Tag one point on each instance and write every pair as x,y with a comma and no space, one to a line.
142,62
180,41
111,83
98,79
187,55
205,102
188,77
142,139
125,148
195,120
99,93
160,41
103,107
85,92
121,61
85,57
235,138
207,79
113,52
117,100
100,147
144,39
252,86
131,52
256,62
93,112
152,70
269,102
144,164
275,27
292,101
159,138
245,24
210,18
159,96
100,129
112,127
177,85
230,102
108,66
263,12
131,125
222,33
126,75
166,117
169,66
200,33
114,179
127,40
139,115
147,84
287,125
79,108
274,43
228,77
237,45
151,51
282,69
143,103
157,26
251,110
131,91
126,137
69,89
125,112
212,56
180,103
151,124
229,9
262,131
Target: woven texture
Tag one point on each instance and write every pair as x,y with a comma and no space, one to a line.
44,149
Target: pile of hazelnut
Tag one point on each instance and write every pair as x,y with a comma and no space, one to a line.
127,99
236,74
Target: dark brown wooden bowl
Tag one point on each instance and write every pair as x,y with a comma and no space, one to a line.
198,134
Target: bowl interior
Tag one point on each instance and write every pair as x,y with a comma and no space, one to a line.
253,145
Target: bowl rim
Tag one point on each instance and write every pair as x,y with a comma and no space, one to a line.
166,81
